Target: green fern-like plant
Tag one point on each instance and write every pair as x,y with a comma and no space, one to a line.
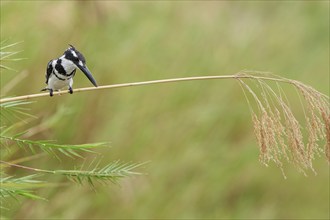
14,186
6,55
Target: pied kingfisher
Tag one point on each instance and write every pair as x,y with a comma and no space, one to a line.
60,71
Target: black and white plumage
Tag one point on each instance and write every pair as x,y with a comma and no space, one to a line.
60,72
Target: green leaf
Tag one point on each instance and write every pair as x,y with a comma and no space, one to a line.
110,173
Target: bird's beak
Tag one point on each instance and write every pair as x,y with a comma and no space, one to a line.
86,71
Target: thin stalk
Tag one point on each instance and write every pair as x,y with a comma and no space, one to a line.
238,76
25,167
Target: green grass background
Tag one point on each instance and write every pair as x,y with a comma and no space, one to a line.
198,135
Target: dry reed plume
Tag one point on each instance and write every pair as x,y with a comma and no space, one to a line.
279,134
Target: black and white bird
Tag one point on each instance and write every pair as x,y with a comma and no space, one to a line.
60,72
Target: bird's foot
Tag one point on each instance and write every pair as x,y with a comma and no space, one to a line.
50,91
70,90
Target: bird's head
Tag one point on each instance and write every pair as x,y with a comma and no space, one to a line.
79,60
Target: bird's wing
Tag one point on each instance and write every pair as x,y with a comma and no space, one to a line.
49,70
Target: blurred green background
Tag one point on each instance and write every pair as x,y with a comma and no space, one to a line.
198,135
